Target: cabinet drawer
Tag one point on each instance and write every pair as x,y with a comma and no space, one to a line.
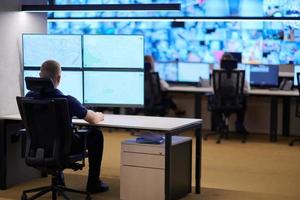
143,160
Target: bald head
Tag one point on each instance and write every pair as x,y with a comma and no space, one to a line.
51,69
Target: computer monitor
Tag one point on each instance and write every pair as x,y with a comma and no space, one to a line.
71,83
167,71
191,72
264,75
296,70
114,88
245,67
113,51
66,49
237,56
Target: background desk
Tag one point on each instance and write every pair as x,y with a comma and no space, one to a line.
165,125
273,94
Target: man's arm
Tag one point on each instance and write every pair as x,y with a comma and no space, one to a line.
93,117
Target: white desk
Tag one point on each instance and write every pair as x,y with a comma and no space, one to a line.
165,125
267,92
273,94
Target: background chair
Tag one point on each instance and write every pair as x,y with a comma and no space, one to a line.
227,99
49,135
297,109
154,96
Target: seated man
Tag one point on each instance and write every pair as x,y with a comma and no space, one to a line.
240,115
51,69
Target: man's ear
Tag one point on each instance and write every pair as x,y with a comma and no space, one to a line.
58,79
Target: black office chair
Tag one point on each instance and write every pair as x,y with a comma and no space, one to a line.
154,96
228,97
49,135
297,108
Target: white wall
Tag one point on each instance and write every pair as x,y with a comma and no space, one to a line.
12,24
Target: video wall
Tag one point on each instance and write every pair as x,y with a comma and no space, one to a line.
105,70
259,42
196,8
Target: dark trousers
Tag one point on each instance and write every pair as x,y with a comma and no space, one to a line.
95,151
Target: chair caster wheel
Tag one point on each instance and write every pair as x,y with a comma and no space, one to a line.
291,144
24,197
204,138
218,141
88,197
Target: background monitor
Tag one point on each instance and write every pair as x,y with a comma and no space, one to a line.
114,88
264,75
113,51
167,71
71,83
296,69
237,56
191,72
66,49
247,72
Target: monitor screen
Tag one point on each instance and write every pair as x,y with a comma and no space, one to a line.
296,70
114,88
71,82
264,75
113,51
237,56
66,49
247,71
167,71
192,72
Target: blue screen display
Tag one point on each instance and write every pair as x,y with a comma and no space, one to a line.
196,8
114,88
71,82
296,70
259,42
264,75
113,51
167,71
66,49
192,72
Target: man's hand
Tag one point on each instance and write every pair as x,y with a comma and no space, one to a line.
94,117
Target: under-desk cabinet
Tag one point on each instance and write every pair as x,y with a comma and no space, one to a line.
142,174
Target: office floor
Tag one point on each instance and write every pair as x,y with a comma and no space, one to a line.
257,170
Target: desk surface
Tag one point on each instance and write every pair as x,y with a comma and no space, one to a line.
190,89
265,92
167,124
268,92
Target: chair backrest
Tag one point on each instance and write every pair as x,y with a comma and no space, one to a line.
156,88
49,130
228,86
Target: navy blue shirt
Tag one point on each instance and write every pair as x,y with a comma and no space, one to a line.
76,109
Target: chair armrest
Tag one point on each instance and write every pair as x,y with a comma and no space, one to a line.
83,133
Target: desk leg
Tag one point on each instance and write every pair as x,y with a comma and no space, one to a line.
3,152
198,151
197,111
286,116
273,118
168,192
198,162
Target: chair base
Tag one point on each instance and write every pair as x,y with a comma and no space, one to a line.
224,134
54,189
293,141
